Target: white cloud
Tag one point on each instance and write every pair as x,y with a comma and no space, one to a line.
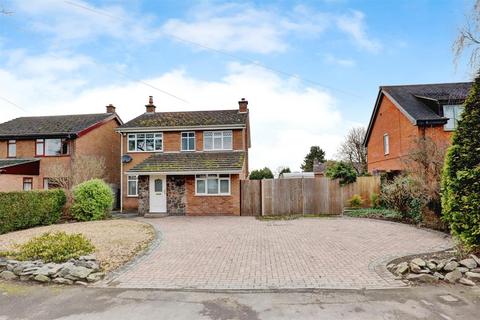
354,25
286,118
331,59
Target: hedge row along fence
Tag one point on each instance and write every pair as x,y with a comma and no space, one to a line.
21,210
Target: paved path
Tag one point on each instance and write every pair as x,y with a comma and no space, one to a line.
245,253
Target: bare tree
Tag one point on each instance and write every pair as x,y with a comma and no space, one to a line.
83,168
469,38
353,151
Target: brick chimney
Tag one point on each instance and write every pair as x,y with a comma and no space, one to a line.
150,107
110,108
243,106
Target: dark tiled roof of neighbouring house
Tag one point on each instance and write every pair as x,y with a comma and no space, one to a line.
416,101
5,163
412,97
50,126
191,162
188,119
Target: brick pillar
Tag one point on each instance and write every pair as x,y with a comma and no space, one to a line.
143,195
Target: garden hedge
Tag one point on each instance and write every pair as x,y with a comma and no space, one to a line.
26,209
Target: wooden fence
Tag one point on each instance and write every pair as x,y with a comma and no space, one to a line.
302,196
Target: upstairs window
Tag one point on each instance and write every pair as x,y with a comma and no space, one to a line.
51,147
386,144
145,142
217,140
188,141
453,113
12,149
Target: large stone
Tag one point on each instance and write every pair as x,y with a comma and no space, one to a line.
432,266
79,273
8,275
440,266
415,268
402,268
18,269
94,277
473,275
439,275
65,270
419,262
476,270
468,263
427,278
453,276
476,259
466,282
62,281
450,266
88,264
41,278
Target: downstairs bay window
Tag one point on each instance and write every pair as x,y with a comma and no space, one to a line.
212,184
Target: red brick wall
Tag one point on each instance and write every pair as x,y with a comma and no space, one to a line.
12,182
402,134
213,205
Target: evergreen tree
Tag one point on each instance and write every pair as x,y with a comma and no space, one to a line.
260,174
315,153
461,175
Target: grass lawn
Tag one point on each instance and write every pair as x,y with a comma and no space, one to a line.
116,241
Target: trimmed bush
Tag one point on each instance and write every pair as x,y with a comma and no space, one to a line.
374,200
461,175
55,247
343,171
92,200
355,201
26,209
260,174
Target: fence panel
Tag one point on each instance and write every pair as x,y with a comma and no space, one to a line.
303,196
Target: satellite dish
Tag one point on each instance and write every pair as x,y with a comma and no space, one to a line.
126,158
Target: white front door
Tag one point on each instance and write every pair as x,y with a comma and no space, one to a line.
158,194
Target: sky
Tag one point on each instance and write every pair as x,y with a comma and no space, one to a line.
309,69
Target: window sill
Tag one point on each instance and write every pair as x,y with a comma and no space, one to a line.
157,151
59,156
213,195
132,196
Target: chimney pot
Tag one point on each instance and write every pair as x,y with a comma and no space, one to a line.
110,108
243,105
150,107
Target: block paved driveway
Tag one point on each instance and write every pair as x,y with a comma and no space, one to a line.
245,253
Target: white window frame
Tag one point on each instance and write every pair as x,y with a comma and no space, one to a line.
457,112
219,178
222,134
134,137
386,144
12,143
133,179
187,138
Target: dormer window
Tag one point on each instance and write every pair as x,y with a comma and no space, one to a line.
453,113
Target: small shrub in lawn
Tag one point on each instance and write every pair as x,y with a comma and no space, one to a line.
92,200
26,209
355,201
55,247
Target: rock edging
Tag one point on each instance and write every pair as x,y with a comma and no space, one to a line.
451,270
79,271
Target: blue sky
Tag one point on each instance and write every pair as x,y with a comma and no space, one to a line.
310,69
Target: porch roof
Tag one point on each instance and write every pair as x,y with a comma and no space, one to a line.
20,166
191,163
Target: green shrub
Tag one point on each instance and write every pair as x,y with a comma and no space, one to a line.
355,201
374,200
375,213
26,209
343,171
55,247
461,175
403,195
92,200
260,174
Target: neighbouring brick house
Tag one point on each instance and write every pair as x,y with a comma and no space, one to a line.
406,112
30,147
185,163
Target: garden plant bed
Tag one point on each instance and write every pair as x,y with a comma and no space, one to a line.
116,241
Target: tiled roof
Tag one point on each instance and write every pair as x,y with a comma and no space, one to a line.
191,162
412,97
187,119
54,126
5,163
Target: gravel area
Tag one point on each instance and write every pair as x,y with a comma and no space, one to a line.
116,241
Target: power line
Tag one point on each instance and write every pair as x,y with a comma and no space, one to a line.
13,104
222,52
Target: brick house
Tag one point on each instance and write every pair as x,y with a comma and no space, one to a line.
406,112
30,147
185,163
